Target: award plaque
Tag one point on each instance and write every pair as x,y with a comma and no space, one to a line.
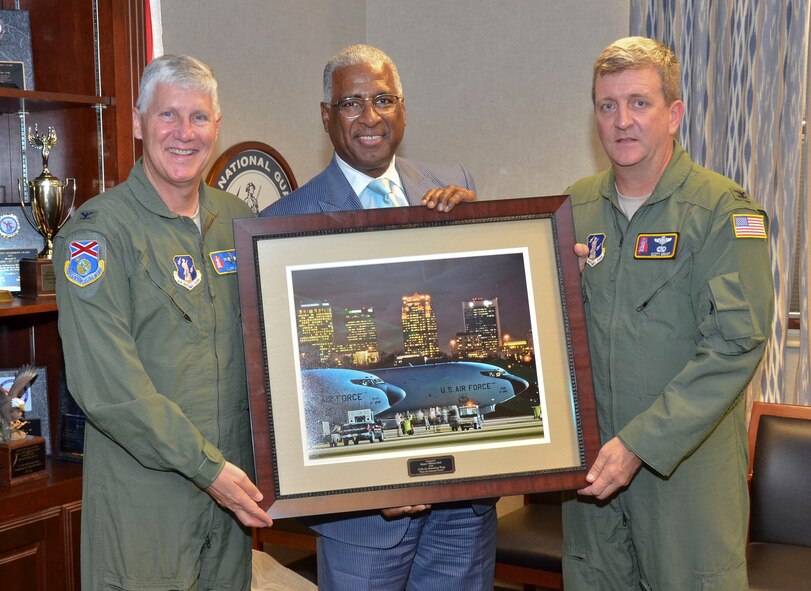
50,212
22,460
12,75
18,240
70,425
16,62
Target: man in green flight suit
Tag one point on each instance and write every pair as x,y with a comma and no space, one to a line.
679,299
150,323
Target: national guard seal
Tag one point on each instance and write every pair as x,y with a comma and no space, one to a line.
254,172
85,266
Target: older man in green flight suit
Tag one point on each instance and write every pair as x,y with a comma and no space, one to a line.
150,323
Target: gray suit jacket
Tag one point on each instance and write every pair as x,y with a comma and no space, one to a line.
330,191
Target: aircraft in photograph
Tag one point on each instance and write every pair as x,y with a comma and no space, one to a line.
330,394
458,383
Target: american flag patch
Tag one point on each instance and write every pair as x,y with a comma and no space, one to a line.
749,226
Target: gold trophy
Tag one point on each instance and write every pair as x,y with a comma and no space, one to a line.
49,215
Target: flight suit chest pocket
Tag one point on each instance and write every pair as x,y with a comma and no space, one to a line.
159,296
672,283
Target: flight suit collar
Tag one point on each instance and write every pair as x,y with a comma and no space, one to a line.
674,177
146,194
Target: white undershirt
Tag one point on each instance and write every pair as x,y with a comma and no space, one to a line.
196,218
630,205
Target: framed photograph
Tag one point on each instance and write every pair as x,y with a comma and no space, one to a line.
405,356
35,395
254,172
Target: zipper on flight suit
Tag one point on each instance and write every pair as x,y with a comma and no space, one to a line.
685,260
614,213
170,298
201,234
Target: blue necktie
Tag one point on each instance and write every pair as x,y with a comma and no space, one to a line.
379,193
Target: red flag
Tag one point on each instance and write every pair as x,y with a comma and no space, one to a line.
154,29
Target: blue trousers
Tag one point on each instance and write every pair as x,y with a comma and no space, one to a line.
446,548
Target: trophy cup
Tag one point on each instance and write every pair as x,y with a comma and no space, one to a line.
49,214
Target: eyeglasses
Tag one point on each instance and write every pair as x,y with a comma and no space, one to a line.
352,107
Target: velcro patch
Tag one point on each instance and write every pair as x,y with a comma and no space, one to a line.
596,244
656,246
186,273
749,225
85,264
224,261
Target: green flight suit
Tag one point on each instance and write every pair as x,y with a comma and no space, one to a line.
150,323
678,311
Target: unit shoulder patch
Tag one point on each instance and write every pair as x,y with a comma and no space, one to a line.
86,264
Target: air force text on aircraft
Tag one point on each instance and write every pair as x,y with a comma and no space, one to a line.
465,388
330,393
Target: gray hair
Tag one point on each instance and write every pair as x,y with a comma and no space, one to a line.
635,53
183,71
353,56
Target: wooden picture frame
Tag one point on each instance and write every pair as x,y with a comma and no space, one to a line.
519,250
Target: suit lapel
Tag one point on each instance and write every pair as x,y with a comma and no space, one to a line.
339,194
415,184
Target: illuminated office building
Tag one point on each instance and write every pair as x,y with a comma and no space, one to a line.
467,346
482,319
316,333
361,334
419,326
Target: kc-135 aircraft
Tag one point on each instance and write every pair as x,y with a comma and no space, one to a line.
457,383
330,393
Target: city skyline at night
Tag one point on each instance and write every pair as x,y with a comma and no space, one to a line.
449,281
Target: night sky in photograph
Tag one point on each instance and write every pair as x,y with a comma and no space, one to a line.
449,282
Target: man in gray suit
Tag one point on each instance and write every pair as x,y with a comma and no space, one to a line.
447,546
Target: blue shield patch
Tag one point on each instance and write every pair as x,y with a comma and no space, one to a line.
186,274
596,244
85,266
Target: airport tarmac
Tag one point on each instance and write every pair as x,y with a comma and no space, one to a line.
493,430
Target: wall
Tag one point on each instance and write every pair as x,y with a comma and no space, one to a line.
503,87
